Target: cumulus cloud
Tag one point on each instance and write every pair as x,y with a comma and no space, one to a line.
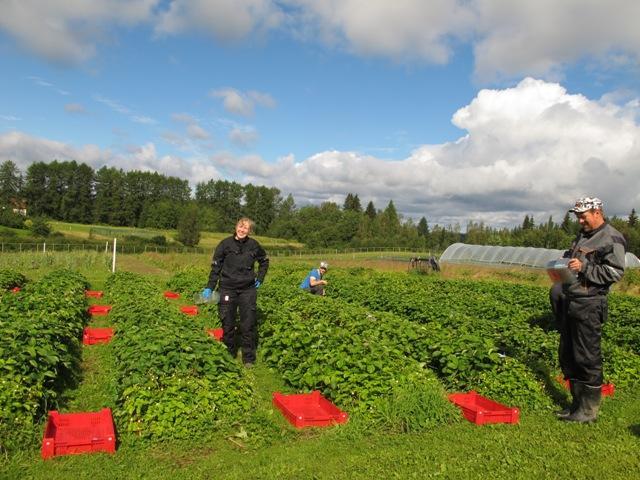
403,29
517,38
24,149
530,149
68,32
509,39
240,103
226,20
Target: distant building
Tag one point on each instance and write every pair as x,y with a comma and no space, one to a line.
18,206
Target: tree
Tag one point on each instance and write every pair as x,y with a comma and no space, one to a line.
10,182
370,210
225,197
352,203
109,197
260,205
423,228
189,227
389,223
633,218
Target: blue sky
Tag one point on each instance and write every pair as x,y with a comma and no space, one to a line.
475,110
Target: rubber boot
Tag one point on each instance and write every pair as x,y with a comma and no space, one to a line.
589,404
574,402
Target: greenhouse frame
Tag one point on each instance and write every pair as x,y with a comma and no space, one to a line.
490,255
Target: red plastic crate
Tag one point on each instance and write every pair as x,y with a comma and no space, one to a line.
215,333
189,309
309,410
93,293
91,336
480,410
607,390
172,295
72,433
99,309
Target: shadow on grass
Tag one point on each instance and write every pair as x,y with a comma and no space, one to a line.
635,429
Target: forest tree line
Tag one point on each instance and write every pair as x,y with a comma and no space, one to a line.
72,192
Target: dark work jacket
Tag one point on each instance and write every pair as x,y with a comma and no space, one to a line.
233,264
602,252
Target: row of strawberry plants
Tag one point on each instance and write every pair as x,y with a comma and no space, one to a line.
321,344
40,350
462,352
325,343
10,279
517,317
171,379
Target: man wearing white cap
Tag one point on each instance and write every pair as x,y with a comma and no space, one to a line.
597,259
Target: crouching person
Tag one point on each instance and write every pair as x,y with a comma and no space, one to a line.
314,283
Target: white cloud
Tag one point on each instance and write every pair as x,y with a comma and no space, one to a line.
243,137
68,31
194,130
183,118
510,39
243,104
226,20
542,37
402,29
531,149
24,149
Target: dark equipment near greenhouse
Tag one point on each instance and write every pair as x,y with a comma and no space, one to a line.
424,265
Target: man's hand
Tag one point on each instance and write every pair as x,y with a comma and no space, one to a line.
575,265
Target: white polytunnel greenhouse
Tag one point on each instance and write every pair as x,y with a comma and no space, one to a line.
510,256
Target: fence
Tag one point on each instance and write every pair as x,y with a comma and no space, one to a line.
133,249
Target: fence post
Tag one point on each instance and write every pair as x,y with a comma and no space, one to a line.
113,263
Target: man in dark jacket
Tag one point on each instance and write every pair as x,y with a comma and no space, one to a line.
597,260
233,267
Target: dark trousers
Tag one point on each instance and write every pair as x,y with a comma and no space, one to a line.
242,334
580,323
317,290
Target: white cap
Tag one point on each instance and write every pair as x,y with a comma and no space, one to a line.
585,204
324,265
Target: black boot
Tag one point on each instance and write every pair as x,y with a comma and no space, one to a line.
589,404
574,402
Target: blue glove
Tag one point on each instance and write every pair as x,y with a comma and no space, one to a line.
206,293
258,283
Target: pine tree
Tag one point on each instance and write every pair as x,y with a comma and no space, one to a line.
423,228
370,211
10,182
352,203
633,218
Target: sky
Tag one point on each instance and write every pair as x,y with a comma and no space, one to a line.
457,110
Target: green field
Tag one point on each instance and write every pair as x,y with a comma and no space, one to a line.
405,442
208,240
